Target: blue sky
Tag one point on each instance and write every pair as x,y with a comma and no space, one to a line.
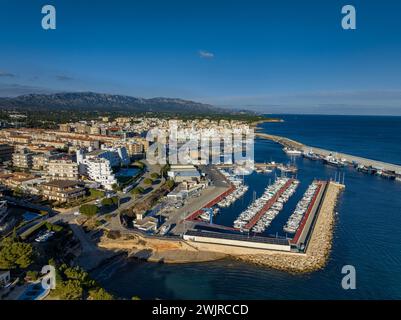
271,56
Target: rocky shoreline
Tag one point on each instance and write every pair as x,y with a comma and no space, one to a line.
179,251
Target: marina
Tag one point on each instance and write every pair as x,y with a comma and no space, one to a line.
257,218
363,201
239,191
259,215
295,219
235,195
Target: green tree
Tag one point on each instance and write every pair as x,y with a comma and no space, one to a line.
52,262
109,201
170,184
33,275
137,190
148,181
43,212
155,175
18,192
53,227
164,169
100,294
96,193
89,210
15,254
68,290
76,273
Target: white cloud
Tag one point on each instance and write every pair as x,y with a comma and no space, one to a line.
6,74
206,55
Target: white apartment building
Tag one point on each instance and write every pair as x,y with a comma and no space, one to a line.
111,156
124,157
100,170
22,159
116,155
62,169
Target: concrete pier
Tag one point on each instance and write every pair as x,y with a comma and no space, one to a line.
322,152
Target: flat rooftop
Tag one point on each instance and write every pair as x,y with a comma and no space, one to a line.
61,183
238,237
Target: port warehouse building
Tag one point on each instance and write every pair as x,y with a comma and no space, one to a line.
299,241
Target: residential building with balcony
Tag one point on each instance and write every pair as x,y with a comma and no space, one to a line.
62,190
100,170
64,169
6,152
23,158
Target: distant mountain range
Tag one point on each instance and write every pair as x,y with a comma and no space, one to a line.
107,102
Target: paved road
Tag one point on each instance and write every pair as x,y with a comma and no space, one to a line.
214,175
193,204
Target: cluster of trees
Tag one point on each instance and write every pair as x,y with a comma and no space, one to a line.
155,175
32,275
15,254
110,201
73,283
137,190
148,181
164,169
96,193
89,210
170,184
50,117
53,227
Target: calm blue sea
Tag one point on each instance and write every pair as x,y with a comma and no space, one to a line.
367,233
373,137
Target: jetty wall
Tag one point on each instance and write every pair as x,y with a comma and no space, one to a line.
350,158
181,251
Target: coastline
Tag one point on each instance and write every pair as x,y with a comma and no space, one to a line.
180,251
256,123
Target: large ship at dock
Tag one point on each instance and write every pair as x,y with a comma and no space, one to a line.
311,155
334,161
292,151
